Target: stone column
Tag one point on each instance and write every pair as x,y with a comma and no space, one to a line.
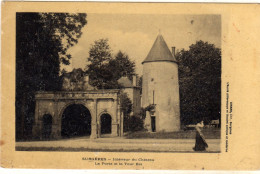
56,122
94,133
56,133
120,120
147,122
36,125
115,119
114,128
121,124
40,127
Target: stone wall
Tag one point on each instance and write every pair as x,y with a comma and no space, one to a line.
97,102
161,86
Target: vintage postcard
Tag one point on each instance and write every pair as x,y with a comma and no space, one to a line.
130,86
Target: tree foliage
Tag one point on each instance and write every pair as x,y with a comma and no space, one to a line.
122,66
200,82
42,41
104,70
64,30
136,123
98,70
100,53
126,109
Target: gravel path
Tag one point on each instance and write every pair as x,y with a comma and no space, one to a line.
118,144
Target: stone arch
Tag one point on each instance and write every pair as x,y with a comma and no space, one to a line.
47,121
105,120
71,103
106,112
75,119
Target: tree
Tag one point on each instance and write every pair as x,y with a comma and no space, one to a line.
98,70
121,66
42,41
100,53
104,70
126,109
200,82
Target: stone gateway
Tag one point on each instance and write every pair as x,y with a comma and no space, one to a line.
69,113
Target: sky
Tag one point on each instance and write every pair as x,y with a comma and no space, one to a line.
134,34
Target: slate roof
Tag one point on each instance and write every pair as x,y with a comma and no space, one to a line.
125,82
159,52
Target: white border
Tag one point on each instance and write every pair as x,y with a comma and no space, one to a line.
63,171
175,1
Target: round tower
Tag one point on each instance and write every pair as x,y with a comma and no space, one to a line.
161,88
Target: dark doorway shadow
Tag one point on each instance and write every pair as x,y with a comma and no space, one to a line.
153,122
76,121
105,124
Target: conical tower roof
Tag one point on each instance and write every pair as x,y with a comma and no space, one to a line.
159,52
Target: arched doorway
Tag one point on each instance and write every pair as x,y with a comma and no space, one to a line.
46,126
105,124
76,121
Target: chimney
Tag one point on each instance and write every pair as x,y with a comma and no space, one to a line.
173,51
134,80
86,78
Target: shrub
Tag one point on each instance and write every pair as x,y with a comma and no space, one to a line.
136,123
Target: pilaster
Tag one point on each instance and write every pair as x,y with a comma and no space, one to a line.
147,122
94,127
114,131
36,131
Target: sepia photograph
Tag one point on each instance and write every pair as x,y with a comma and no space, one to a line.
118,82
130,86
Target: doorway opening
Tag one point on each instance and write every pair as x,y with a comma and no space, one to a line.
105,124
76,121
153,125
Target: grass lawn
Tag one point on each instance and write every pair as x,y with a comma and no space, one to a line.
210,133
